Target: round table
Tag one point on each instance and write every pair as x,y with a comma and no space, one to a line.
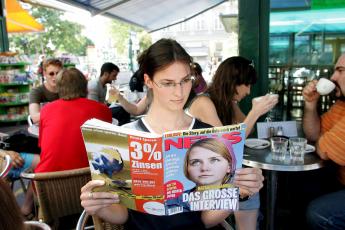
262,158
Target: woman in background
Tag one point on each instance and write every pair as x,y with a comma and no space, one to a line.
219,106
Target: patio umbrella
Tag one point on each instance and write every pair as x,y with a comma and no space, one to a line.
19,20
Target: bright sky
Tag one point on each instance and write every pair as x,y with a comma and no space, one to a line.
95,27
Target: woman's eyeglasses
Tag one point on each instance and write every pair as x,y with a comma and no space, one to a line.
53,73
172,85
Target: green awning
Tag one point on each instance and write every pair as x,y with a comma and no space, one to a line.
308,21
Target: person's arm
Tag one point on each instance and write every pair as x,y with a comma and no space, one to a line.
204,109
16,160
259,107
311,119
103,204
34,104
34,111
212,218
330,145
134,109
239,115
321,153
92,91
249,180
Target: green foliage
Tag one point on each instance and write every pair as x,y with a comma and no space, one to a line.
145,41
64,35
120,33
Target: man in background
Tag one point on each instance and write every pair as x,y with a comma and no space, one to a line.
97,87
46,92
328,131
97,91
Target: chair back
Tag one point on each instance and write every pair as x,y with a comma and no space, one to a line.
58,193
98,223
36,225
30,123
5,165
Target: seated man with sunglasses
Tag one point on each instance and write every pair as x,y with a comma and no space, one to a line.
47,92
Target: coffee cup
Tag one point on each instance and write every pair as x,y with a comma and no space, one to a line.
271,95
324,86
258,98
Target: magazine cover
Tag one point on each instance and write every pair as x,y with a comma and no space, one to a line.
180,171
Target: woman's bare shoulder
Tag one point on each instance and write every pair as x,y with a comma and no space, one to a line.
201,100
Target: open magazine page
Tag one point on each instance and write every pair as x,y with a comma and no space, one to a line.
147,171
131,165
199,166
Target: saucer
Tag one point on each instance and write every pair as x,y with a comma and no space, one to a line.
255,143
309,149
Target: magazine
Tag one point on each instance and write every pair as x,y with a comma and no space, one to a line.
179,171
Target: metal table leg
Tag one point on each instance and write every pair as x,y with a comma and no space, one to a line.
271,196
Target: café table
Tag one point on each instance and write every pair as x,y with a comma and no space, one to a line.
262,158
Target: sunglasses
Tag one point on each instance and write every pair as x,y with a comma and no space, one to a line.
53,73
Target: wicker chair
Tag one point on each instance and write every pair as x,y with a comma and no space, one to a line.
99,224
58,193
33,224
5,165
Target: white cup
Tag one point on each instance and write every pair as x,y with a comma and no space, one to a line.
271,95
324,86
258,98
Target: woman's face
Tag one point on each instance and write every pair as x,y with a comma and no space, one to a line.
242,91
50,75
206,167
171,86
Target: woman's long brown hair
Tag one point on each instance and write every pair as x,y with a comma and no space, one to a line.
10,215
232,72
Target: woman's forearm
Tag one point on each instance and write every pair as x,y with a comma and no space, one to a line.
134,109
211,218
250,121
115,214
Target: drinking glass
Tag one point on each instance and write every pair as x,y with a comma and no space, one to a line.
297,149
279,148
110,98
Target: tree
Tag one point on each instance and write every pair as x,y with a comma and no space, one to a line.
59,35
120,32
144,41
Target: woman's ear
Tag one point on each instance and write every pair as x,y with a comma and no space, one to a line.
228,170
148,81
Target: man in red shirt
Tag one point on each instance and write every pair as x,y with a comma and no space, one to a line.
60,137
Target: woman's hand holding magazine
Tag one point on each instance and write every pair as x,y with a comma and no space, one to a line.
93,202
249,180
